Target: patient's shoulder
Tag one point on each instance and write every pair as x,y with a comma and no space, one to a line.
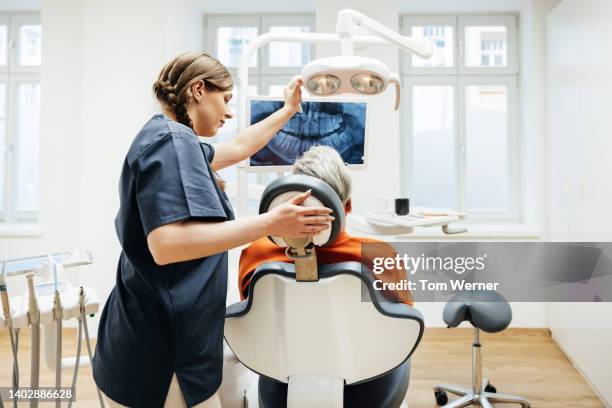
374,247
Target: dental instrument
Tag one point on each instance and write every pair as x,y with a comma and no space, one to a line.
87,341
82,325
34,318
6,308
79,341
57,314
45,303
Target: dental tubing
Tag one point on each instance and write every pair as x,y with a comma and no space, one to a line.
79,341
87,342
46,309
6,309
34,317
57,315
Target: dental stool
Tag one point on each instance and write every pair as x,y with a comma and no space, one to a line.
320,336
488,311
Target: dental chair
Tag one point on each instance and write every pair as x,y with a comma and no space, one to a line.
320,336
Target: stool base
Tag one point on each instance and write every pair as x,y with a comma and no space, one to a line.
484,399
479,394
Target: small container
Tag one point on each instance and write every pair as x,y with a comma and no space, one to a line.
402,206
382,205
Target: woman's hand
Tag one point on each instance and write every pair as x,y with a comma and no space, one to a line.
293,95
290,220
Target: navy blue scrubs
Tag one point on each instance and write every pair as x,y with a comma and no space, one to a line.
161,320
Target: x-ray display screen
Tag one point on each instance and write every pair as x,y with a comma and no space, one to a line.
340,125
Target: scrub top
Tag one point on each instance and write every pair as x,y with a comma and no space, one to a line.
160,320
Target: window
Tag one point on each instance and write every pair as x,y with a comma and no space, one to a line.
459,117
270,69
20,61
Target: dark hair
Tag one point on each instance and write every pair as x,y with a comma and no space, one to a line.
173,86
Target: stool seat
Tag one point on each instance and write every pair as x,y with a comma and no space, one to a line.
485,310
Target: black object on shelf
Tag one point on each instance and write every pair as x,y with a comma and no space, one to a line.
402,206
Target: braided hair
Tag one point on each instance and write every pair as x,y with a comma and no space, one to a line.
173,86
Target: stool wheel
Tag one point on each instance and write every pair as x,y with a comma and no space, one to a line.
490,388
441,397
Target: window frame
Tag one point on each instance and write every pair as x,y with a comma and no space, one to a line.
408,170
263,75
214,21
16,22
459,77
15,213
412,21
6,21
510,22
13,75
296,20
4,149
510,83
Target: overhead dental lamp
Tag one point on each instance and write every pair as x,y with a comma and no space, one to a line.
343,74
348,73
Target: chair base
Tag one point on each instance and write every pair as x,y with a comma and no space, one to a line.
484,399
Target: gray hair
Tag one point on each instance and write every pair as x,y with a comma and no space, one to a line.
323,162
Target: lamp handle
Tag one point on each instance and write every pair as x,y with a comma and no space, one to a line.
394,79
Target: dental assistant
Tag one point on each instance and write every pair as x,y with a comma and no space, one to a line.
160,339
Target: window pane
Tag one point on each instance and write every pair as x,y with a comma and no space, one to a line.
444,45
230,41
231,126
2,141
26,146
487,167
28,51
486,47
228,131
433,143
3,44
289,54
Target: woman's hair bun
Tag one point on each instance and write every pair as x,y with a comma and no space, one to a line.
166,92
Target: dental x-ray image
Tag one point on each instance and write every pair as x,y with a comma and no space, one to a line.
340,125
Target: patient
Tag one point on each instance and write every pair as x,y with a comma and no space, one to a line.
325,163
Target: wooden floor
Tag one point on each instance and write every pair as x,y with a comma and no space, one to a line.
517,361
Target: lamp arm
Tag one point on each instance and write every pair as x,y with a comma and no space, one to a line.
394,79
422,48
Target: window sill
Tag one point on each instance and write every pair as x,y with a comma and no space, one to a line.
20,230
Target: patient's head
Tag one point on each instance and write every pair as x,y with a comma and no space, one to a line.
324,163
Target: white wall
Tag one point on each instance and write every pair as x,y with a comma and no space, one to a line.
579,56
532,49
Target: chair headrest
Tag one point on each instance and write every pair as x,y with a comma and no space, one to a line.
285,188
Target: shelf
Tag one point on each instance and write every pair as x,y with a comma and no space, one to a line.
391,224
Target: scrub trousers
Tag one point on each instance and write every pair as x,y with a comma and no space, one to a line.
174,399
